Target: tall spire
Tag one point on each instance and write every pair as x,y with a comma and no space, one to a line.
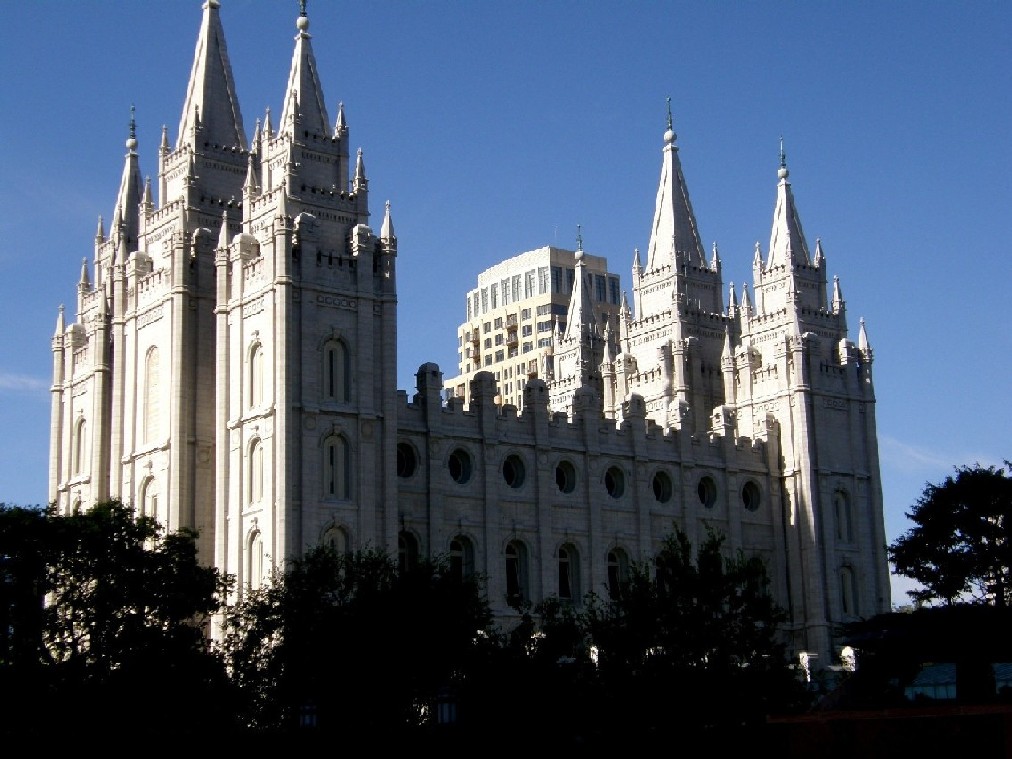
580,314
211,91
787,242
84,283
304,96
341,125
862,338
361,183
674,228
387,230
837,295
130,189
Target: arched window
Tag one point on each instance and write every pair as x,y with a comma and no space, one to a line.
80,446
407,551
256,375
848,592
150,410
336,539
255,566
256,471
149,500
569,573
335,468
336,371
841,508
461,558
517,591
618,572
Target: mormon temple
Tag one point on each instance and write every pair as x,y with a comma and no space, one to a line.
231,368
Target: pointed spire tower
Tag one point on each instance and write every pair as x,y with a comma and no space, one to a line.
211,137
578,350
211,104
789,277
304,121
676,268
304,96
130,194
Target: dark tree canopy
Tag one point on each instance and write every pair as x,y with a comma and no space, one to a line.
960,547
105,613
121,633
351,644
693,641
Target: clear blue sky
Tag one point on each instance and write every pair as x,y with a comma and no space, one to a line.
497,127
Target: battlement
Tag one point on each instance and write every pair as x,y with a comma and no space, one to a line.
585,429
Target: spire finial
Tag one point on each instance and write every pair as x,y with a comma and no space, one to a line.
131,142
302,7
579,237
669,135
782,171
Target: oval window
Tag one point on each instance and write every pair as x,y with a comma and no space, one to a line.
707,491
750,496
459,465
513,471
565,476
614,481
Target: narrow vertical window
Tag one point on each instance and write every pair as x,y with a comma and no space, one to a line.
848,592
255,561
841,505
336,371
461,558
80,447
149,396
149,499
256,376
568,565
256,472
335,467
618,572
407,551
516,573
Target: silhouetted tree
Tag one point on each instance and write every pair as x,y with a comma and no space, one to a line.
120,637
691,645
349,643
961,543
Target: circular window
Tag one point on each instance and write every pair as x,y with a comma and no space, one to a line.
707,491
662,487
459,465
407,460
513,471
750,496
565,477
614,481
